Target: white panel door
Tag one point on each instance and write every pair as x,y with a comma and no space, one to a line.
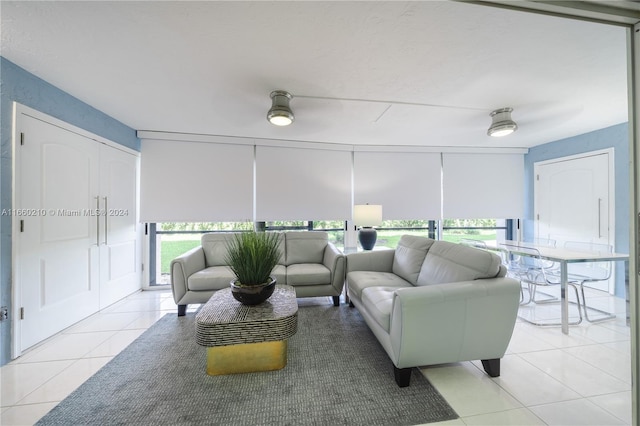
573,201
56,267
120,251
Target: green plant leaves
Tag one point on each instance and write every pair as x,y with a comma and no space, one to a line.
252,256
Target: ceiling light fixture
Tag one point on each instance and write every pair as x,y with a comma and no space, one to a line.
280,113
501,124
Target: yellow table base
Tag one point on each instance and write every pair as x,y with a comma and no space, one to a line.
246,358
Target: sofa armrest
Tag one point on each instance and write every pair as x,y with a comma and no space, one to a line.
452,322
182,267
334,261
376,261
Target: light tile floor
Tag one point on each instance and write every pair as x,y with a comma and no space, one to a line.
548,378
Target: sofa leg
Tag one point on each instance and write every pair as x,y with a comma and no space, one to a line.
182,310
402,375
336,300
351,304
492,366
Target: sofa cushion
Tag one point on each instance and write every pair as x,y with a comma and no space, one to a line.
211,278
215,245
409,256
448,262
379,301
359,280
215,248
308,274
305,247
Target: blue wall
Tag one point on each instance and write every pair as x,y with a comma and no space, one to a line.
616,137
18,85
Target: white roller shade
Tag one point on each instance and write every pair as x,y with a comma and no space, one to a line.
406,184
184,181
302,184
483,186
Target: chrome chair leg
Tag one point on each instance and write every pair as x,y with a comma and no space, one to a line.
550,324
606,315
591,272
549,299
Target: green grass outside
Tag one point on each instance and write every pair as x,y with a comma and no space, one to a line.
172,249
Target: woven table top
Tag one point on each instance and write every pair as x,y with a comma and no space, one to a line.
224,321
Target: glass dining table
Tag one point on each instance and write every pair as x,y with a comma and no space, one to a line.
563,257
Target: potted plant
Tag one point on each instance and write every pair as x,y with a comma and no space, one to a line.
252,257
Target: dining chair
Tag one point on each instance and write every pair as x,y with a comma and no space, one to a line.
523,266
503,253
547,242
590,272
518,271
534,271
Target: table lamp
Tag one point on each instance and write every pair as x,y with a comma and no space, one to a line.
366,216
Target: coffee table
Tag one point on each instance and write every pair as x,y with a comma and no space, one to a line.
243,339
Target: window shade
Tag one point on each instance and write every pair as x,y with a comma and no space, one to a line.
482,186
302,184
184,181
406,184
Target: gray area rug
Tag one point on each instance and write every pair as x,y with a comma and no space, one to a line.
337,374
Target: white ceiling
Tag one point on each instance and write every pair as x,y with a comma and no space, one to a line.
422,73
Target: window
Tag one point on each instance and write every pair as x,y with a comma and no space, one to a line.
390,231
453,230
335,228
171,239
490,230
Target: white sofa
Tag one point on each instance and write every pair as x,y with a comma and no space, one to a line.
432,302
308,262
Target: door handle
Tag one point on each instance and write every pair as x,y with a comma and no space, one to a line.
97,221
106,222
599,216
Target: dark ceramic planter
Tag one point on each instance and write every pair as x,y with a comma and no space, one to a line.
252,295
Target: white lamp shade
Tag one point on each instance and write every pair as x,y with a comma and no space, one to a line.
367,214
